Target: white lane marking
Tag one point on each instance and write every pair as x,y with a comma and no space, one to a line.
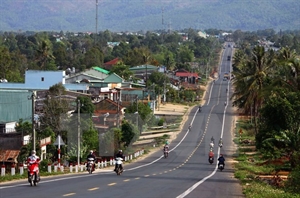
193,187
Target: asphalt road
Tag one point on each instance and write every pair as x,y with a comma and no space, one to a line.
185,173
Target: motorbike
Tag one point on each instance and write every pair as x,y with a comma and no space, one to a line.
119,162
33,172
221,167
166,153
211,160
90,165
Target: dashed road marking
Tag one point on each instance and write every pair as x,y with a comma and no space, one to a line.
91,189
69,194
111,184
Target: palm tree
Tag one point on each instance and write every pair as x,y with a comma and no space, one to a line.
250,80
44,54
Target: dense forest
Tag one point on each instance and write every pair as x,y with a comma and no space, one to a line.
60,51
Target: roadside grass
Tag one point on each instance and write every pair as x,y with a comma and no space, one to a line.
263,190
249,167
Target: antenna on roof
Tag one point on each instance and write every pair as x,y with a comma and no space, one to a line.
96,21
162,16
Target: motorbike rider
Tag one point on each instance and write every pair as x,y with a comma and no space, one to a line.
221,160
89,157
199,108
33,158
211,145
220,142
119,154
166,148
212,139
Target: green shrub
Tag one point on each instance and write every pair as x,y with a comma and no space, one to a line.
161,122
293,184
44,165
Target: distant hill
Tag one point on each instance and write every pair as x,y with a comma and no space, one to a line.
134,15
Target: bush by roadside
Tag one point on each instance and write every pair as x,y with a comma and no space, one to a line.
258,178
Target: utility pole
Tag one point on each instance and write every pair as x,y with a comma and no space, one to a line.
78,134
118,113
32,97
137,113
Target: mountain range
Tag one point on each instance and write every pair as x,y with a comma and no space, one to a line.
144,15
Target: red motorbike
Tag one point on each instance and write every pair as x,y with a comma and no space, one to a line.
33,172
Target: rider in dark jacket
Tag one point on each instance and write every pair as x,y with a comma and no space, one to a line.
221,160
119,154
91,156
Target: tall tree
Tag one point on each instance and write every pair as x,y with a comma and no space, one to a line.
44,54
250,80
55,109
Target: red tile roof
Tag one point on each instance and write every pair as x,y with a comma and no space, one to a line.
112,62
186,74
9,155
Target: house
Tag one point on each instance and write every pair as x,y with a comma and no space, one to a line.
202,34
10,146
95,74
108,113
143,71
8,127
43,80
186,76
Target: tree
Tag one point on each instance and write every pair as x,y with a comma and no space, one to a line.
55,108
122,70
44,54
86,105
60,54
138,56
129,133
279,126
93,57
90,138
250,80
185,54
5,61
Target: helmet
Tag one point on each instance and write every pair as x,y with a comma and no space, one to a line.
91,151
33,152
120,151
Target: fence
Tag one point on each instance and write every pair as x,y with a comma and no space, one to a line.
100,164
